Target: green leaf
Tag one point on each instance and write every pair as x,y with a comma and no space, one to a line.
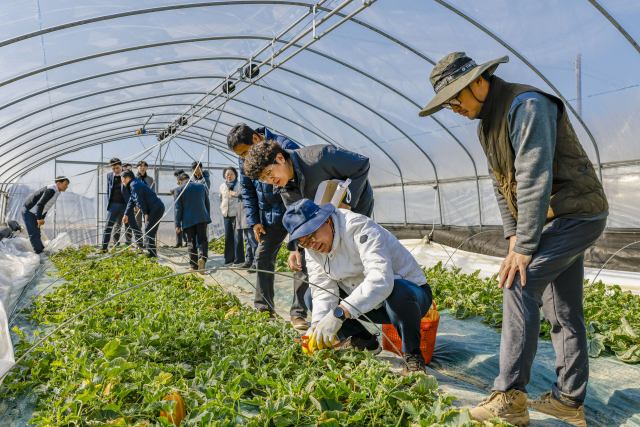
596,345
631,355
425,385
455,418
114,349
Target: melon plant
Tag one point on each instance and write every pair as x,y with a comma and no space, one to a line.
168,354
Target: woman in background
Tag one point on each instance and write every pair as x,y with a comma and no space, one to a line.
230,191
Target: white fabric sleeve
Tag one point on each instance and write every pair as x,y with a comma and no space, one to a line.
378,271
323,301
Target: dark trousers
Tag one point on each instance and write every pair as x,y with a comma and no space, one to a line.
199,231
151,228
266,255
404,309
31,222
555,278
298,307
114,216
233,246
251,245
181,237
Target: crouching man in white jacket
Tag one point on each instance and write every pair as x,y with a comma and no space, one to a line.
352,256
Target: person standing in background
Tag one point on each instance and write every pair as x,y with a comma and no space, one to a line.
142,167
192,216
151,206
200,175
251,244
36,207
230,191
118,227
180,237
118,198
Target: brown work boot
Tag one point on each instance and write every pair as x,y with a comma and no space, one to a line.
509,406
412,363
201,266
550,406
371,345
272,314
299,323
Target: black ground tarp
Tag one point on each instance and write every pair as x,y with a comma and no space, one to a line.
492,242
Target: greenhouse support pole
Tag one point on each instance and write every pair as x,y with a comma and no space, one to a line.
55,207
437,188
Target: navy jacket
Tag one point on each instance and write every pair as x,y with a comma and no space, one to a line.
142,196
192,205
125,192
261,205
204,179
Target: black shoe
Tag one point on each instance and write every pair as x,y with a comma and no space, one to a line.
253,267
150,255
412,363
371,345
228,264
245,265
177,246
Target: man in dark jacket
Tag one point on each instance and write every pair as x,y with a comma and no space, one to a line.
553,208
264,211
151,206
192,215
36,208
201,176
118,197
180,237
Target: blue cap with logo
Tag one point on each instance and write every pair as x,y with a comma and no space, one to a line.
303,218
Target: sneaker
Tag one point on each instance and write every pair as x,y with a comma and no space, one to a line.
371,345
509,406
272,314
412,363
550,406
299,323
253,267
245,264
228,264
201,266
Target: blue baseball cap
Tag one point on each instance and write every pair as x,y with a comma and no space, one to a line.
303,218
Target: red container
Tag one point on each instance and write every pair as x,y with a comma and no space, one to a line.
429,329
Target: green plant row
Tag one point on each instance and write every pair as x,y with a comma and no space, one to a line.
113,365
612,315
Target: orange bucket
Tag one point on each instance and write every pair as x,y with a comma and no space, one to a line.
429,329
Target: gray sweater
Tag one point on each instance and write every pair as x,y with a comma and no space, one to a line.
533,121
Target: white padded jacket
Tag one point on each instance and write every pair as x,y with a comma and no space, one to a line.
364,261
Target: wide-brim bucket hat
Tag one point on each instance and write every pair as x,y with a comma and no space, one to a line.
304,217
452,74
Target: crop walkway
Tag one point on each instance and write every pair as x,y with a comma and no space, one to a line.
235,283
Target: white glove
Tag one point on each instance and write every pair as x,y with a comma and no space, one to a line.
326,331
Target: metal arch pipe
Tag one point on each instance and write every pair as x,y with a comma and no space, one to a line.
615,23
199,93
91,143
534,69
241,58
145,11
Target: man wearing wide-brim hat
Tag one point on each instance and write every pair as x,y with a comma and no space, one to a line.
553,208
358,270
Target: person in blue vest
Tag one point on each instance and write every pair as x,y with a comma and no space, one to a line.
151,206
36,208
118,198
192,215
264,211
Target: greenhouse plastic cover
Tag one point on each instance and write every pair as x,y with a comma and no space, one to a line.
79,78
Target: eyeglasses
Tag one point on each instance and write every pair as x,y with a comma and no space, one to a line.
305,241
454,102
268,174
